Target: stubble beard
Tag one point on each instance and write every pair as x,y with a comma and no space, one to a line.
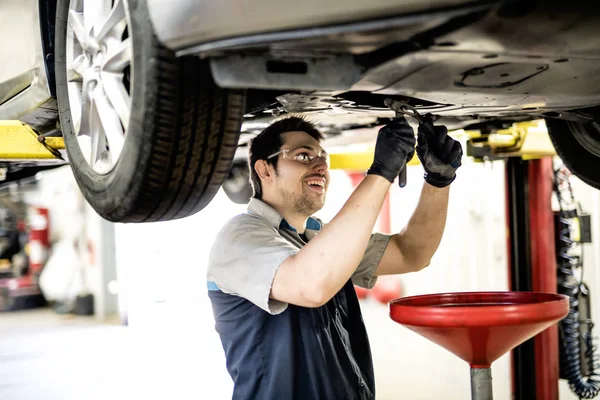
303,204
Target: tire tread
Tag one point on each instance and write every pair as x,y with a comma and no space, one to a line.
193,119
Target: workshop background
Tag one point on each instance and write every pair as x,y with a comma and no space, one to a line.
151,331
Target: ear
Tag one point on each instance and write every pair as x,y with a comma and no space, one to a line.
262,170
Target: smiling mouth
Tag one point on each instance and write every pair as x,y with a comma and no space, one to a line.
316,185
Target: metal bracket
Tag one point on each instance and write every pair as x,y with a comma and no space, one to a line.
332,73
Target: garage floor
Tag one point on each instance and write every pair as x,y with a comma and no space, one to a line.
45,356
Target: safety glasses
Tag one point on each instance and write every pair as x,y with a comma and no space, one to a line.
302,155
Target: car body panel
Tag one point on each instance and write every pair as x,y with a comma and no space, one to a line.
471,84
182,23
23,80
546,60
518,60
25,93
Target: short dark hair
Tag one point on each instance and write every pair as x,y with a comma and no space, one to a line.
269,141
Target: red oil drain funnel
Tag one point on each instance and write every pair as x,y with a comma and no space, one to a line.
479,327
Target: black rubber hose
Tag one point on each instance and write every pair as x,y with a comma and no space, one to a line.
568,284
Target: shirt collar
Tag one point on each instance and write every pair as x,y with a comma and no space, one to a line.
267,212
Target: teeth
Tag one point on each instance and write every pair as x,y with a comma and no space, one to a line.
319,183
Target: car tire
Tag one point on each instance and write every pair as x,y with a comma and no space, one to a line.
578,145
182,130
237,185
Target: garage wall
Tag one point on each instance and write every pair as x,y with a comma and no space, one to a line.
73,220
163,298
471,256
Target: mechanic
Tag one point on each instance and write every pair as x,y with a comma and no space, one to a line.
281,282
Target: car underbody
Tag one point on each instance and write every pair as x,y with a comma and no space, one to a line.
480,65
480,62
481,68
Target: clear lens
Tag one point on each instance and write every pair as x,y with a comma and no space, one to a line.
305,156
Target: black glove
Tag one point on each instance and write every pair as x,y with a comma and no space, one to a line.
395,147
440,155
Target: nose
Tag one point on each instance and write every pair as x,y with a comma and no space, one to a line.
320,165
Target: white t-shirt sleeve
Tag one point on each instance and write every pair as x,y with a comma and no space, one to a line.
244,259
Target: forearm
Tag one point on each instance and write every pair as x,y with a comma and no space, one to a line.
419,240
330,259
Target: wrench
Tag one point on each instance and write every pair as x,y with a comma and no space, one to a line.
402,108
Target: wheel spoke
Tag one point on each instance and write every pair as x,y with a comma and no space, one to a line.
76,69
85,122
93,12
84,127
76,22
115,18
118,56
98,96
98,145
117,95
75,104
109,121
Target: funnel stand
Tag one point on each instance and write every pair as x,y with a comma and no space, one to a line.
481,384
479,327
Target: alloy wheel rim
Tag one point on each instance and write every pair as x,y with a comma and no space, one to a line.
99,62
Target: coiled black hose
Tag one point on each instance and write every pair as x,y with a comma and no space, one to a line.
569,285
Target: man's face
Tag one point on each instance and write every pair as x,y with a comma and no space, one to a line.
302,186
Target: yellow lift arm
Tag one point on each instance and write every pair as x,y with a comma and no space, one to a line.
18,142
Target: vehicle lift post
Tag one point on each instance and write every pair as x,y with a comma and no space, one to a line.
532,267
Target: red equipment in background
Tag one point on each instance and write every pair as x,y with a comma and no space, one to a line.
20,288
387,289
39,240
361,292
532,267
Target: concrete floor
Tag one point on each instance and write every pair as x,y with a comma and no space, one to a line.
45,356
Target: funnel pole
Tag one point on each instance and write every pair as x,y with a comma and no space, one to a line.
481,384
